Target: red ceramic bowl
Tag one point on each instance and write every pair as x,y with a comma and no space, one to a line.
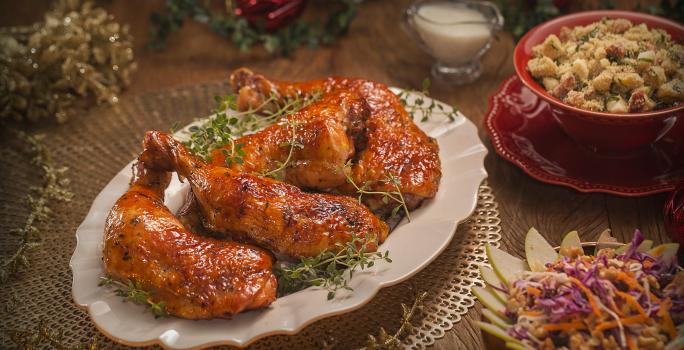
609,132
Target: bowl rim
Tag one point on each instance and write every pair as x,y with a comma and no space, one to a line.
520,64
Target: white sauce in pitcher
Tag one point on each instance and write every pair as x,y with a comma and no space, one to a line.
454,32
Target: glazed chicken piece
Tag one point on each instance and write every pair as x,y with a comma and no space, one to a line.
274,215
391,144
320,137
196,277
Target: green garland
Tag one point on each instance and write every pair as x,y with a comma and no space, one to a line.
520,19
282,41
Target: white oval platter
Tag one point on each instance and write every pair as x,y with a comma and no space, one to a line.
412,247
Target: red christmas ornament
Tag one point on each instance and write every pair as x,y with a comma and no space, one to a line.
674,217
269,14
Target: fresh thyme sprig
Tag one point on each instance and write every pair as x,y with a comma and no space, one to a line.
132,291
293,144
54,188
393,341
226,126
328,269
421,107
387,196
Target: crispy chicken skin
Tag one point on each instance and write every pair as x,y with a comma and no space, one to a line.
274,215
325,132
196,277
392,143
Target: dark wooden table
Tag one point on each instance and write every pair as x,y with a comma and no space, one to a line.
376,48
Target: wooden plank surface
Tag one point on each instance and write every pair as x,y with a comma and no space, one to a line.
377,48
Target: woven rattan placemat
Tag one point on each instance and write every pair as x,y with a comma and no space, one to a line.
97,144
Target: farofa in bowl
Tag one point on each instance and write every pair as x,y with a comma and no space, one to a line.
611,66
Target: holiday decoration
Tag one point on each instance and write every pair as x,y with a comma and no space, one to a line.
251,22
77,51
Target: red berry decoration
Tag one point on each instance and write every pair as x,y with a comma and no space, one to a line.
269,14
674,216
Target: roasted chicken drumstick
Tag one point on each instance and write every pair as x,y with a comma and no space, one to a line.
273,214
196,277
387,142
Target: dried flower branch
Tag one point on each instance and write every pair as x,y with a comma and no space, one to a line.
54,188
391,342
43,335
133,292
328,269
78,51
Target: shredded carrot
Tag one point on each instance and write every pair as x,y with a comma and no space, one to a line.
627,320
564,326
589,294
667,323
631,343
534,291
632,283
632,302
531,313
648,263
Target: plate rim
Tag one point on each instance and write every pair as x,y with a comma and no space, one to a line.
476,180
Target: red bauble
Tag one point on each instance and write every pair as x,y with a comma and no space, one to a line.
674,216
269,14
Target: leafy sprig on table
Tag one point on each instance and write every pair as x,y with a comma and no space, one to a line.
133,292
328,269
388,341
419,106
44,335
54,188
226,23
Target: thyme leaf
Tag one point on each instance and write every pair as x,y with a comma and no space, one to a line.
277,173
226,125
420,107
133,292
328,269
386,196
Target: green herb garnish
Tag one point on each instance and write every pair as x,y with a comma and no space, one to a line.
225,126
133,292
420,106
327,269
293,144
394,196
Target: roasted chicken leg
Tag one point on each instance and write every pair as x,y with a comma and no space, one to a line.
320,137
388,144
196,277
273,214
